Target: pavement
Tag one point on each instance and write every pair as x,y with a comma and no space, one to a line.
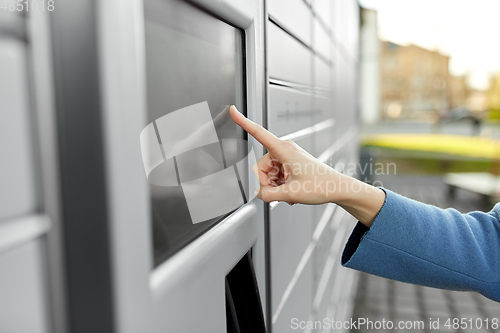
383,299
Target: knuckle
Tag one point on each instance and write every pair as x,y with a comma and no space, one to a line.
289,144
264,196
259,165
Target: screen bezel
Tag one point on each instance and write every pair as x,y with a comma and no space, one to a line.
240,135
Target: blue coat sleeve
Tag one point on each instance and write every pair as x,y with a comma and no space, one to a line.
422,244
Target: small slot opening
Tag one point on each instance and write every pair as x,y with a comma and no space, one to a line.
243,307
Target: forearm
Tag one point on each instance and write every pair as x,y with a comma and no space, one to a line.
418,243
361,200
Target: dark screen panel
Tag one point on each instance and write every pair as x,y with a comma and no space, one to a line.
191,57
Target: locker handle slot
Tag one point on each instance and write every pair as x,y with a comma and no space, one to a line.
243,306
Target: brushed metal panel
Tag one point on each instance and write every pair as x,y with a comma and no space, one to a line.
290,110
23,303
352,35
322,74
322,108
16,232
294,15
290,235
12,22
298,304
17,192
339,20
324,139
321,41
325,300
317,213
324,8
288,59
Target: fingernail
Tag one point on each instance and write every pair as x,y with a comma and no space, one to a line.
256,192
239,111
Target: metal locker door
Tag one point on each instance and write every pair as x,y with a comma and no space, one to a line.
179,285
30,261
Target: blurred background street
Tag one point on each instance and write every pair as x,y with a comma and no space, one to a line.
430,110
430,90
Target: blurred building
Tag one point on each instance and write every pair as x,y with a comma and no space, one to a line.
458,91
477,100
493,97
416,83
369,57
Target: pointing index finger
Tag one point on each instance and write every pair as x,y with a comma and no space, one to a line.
268,140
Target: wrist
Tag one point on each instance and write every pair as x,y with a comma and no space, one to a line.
360,199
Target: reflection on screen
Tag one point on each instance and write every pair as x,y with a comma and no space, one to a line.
191,57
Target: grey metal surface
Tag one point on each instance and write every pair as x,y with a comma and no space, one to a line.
17,232
322,74
282,65
12,24
321,42
186,292
85,206
323,105
28,208
324,140
324,9
291,110
49,172
291,233
294,16
298,302
18,191
305,265
22,286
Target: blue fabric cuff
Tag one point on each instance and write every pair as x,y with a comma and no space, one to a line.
418,243
358,234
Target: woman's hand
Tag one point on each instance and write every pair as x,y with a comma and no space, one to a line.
289,173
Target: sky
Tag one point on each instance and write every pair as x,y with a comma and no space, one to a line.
466,30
